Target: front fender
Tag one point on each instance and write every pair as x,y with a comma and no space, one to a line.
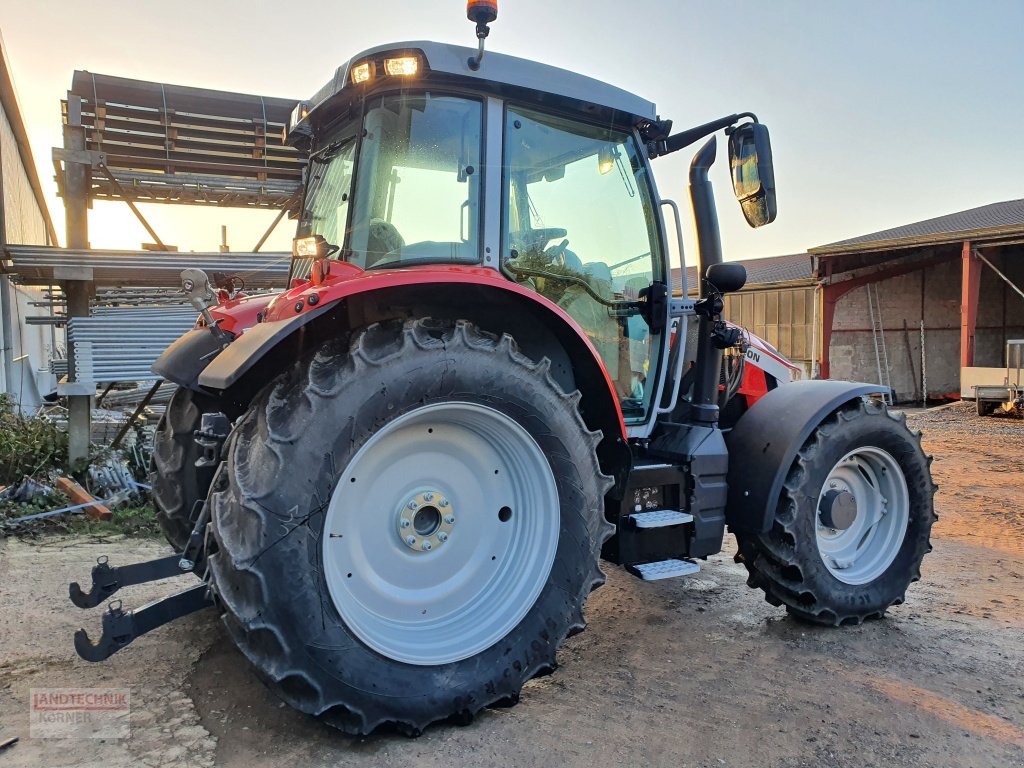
189,355
766,439
185,359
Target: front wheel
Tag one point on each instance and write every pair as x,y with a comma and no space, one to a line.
853,521
409,528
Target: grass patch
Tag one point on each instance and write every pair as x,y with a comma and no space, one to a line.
34,446
136,521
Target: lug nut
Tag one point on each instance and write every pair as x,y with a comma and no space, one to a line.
428,497
405,523
412,505
410,540
426,546
450,519
443,502
442,536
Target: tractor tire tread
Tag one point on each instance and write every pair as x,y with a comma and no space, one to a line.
176,486
245,527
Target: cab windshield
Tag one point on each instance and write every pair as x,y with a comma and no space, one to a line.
408,191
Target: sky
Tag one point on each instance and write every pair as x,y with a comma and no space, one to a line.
881,113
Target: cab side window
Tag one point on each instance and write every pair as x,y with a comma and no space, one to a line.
578,208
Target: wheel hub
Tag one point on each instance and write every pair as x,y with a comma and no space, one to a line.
425,521
838,509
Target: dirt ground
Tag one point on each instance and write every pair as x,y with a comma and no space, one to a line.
691,672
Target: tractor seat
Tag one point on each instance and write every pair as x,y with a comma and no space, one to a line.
382,240
598,270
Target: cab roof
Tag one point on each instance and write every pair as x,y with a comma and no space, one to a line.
452,60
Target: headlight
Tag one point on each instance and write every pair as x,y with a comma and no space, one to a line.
403,66
362,73
312,247
298,114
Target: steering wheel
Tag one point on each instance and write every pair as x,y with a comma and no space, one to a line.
557,254
537,238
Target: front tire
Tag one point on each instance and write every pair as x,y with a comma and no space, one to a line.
353,605
853,521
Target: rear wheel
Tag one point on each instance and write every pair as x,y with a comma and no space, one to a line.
409,527
852,524
177,485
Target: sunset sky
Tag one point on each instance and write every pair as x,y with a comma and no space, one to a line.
881,113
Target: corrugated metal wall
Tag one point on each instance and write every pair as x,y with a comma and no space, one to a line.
784,317
24,222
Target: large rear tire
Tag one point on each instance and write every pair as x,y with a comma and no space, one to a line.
176,483
409,527
853,521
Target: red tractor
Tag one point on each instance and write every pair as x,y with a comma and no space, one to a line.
396,479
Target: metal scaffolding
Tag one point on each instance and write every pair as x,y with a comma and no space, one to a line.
145,142
40,265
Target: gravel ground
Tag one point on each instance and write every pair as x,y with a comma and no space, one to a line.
692,672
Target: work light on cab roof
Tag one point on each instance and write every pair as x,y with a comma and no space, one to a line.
395,66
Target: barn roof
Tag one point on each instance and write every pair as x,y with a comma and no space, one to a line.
995,221
790,268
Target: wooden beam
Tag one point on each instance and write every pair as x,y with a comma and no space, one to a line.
79,495
970,283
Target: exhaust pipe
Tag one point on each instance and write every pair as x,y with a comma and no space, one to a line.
704,406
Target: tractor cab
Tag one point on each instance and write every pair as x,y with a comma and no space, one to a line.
535,172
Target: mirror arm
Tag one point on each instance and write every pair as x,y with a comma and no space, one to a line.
684,139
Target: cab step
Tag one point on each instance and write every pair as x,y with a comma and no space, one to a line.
660,518
663,569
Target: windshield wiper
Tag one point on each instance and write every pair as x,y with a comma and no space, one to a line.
327,153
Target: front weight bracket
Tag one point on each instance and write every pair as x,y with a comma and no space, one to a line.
121,627
107,579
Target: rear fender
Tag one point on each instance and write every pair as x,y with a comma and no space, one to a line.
310,314
766,439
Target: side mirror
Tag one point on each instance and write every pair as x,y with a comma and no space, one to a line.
753,176
727,277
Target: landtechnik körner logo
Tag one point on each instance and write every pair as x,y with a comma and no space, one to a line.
79,713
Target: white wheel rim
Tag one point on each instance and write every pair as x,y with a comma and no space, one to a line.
875,484
473,570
